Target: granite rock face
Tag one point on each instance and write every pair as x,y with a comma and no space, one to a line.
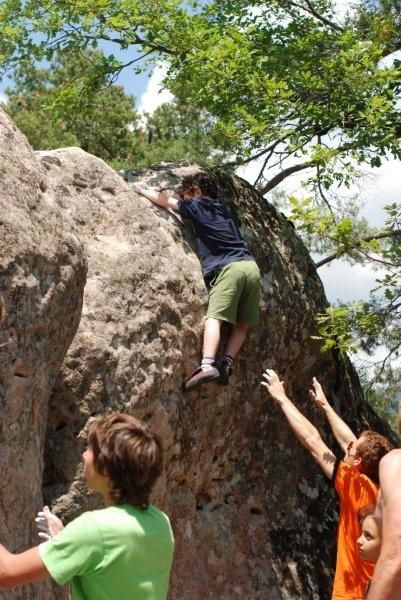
253,516
42,277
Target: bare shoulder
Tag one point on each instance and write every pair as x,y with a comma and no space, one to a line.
392,460
390,469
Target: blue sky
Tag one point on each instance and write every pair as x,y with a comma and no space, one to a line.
134,84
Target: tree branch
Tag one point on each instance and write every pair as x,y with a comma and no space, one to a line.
277,179
369,238
319,185
309,8
383,365
239,163
386,263
136,40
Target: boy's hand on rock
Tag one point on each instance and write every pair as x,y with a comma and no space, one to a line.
48,524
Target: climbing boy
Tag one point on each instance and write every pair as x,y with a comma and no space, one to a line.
123,551
229,270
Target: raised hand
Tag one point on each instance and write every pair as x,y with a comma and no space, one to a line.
317,395
48,524
274,386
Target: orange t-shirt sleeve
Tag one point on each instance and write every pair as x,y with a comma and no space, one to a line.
349,483
342,476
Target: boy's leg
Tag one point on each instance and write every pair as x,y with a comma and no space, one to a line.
236,339
223,299
247,316
207,370
234,344
211,341
233,297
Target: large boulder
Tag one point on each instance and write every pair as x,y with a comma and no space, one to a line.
253,516
42,277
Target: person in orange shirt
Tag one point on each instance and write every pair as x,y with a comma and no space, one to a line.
355,479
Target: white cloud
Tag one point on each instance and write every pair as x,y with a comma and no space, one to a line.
387,61
155,94
342,8
384,188
3,97
346,282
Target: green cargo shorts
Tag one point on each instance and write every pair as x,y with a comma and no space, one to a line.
234,293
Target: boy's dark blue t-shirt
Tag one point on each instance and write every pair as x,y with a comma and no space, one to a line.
218,238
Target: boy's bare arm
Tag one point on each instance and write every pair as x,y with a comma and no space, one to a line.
163,198
303,429
21,569
341,431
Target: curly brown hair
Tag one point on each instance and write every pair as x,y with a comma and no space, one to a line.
371,450
205,181
129,454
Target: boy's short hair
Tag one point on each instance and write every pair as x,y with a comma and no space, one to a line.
127,452
205,181
371,450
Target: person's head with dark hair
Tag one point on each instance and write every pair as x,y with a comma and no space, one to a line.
368,450
123,459
199,184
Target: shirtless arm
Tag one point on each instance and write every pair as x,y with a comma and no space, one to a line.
386,583
303,429
21,569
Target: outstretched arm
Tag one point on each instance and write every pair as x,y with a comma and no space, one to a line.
386,583
163,198
341,431
20,569
306,433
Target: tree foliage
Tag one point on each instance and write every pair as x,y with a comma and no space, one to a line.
44,106
104,124
179,131
279,77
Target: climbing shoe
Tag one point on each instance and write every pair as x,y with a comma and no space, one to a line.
201,376
225,371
